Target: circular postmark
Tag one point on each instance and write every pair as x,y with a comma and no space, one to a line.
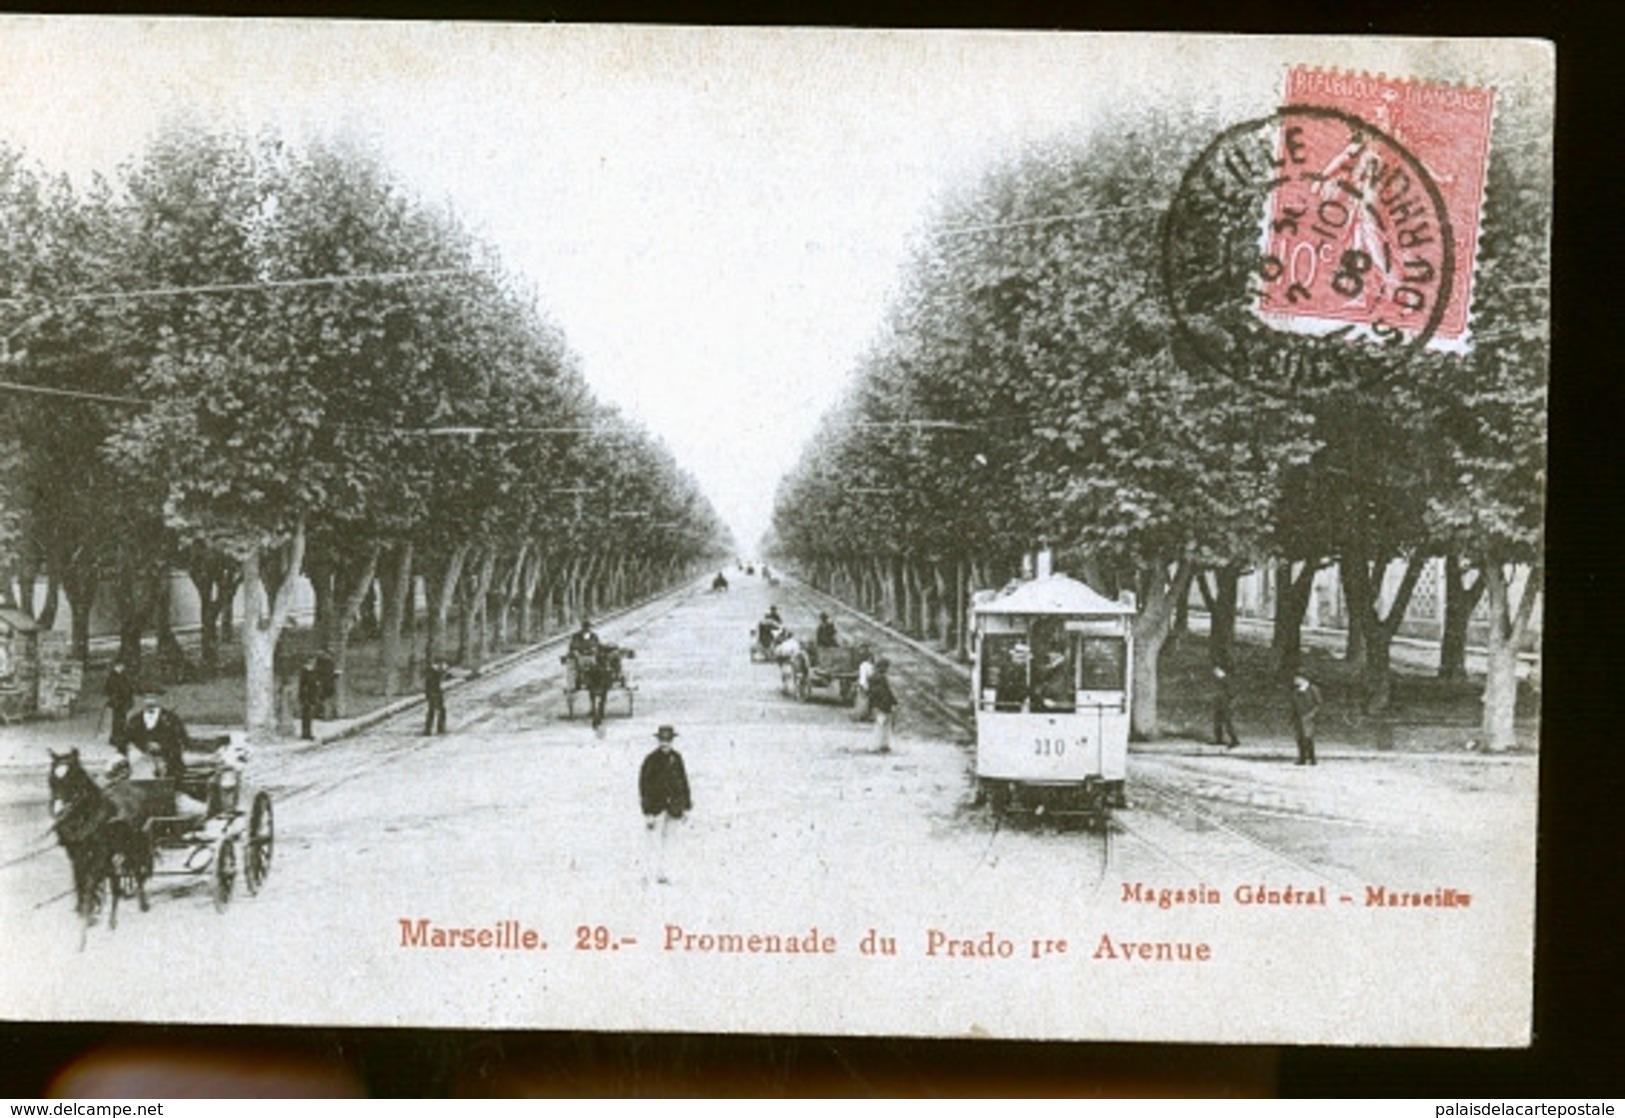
1307,249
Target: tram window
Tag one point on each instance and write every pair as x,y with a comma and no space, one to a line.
1004,669
1103,661
1055,681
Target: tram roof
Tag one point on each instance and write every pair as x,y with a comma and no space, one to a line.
1057,594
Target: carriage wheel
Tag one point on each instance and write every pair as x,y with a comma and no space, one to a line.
261,836
225,873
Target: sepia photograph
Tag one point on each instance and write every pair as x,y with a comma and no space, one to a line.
822,532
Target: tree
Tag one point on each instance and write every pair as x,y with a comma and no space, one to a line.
1493,401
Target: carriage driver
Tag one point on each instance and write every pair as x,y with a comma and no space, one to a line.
768,628
159,732
584,643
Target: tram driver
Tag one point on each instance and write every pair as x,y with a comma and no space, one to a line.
1010,681
1052,687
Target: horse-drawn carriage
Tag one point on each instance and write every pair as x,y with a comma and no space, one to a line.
765,639
121,833
824,667
596,672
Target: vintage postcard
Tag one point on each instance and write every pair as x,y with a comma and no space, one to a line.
778,531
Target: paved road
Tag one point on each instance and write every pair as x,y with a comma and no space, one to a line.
522,814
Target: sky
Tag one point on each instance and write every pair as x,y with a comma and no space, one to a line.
716,220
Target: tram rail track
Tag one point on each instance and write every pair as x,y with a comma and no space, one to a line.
1121,825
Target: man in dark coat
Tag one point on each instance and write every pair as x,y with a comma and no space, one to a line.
825,636
1305,705
883,701
434,690
310,697
663,793
1224,698
327,683
120,693
584,642
159,733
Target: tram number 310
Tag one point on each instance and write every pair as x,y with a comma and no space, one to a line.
1051,747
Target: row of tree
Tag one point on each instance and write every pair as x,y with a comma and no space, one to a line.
1032,388
259,362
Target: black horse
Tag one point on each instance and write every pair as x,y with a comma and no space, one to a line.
104,832
600,674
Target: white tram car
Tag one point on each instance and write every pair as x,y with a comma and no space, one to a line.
1050,685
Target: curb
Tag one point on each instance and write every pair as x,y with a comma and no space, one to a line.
502,663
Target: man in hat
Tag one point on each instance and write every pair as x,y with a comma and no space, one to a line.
158,732
664,794
584,643
1306,703
825,635
327,684
1054,688
119,691
434,691
310,696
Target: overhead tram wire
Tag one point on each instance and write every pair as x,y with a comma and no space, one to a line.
251,285
189,289
1050,219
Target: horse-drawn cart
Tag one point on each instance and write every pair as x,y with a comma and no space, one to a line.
235,836
595,674
126,831
814,667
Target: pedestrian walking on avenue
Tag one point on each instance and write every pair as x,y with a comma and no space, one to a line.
327,682
310,697
119,691
434,690
1224,699
866,670
883,701
664,795
1306,702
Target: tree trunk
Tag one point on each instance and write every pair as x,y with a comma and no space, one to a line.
344,621
79,587
397,580
1221,605
1360,589
442,591
132,612
1460,599
215,580
265,611
530,577
1508,626
53,590
478,627
1161,587
1291,603
1362,585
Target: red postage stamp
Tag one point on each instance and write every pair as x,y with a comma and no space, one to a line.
1377,228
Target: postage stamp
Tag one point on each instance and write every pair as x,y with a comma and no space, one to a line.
1350,215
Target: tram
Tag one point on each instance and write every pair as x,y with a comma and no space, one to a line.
1050,687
